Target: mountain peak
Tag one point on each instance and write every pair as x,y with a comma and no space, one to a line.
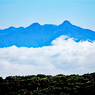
66,22
36,24
11,27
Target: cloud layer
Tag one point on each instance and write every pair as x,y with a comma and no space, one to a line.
65,56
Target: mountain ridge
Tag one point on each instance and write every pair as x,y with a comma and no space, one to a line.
37,35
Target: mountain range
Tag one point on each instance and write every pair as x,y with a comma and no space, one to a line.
37,35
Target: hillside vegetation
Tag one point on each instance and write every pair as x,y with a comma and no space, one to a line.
48,85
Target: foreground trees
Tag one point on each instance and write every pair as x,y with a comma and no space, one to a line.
48,85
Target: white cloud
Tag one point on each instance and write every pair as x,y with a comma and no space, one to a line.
63,57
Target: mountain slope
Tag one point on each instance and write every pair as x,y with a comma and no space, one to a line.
37,35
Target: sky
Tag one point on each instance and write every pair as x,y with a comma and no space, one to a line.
63,56
25,12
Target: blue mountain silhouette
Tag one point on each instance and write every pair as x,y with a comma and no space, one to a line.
37,35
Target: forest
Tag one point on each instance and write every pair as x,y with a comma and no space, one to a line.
48,85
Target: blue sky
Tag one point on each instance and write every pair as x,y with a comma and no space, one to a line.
25,12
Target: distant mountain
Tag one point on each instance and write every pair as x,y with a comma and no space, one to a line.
37,35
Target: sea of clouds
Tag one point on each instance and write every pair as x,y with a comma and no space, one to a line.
64,56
